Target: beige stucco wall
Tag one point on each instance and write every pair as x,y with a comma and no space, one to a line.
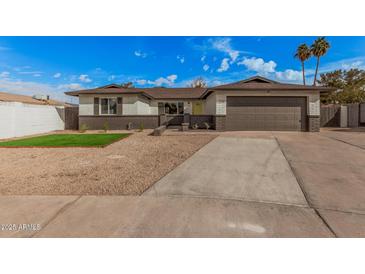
132,104
210,104
135,105
216,103
86,105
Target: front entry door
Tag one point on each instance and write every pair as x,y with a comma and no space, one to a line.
197,108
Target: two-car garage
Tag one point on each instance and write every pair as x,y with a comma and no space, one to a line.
266,113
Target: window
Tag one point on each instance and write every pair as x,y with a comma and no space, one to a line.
171,108
108,106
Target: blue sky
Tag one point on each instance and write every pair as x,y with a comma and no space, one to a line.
52,65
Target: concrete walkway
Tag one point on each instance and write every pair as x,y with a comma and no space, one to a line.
249,169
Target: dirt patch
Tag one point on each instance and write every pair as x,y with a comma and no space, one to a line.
127,167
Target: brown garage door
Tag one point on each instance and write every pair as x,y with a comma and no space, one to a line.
266,113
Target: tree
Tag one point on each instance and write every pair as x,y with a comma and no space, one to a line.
303,54
127,85
198,83
350,86
318,49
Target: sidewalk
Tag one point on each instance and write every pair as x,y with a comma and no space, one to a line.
123,216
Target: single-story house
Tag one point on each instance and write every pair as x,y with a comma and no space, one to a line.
256,103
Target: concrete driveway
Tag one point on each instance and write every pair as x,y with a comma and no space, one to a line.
249,169
242,184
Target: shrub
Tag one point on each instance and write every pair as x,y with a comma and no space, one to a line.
141,127
106,126
207,126
83,128
195,126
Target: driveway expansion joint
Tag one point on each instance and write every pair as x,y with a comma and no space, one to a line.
325,223
151,187
306,196
58,212
225,198
339,140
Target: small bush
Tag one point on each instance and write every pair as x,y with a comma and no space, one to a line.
83,128
207,126
141,127
106,126
195,126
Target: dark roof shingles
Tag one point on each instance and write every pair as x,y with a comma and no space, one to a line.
253,83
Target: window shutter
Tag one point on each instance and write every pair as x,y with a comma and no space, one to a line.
96,106
119,106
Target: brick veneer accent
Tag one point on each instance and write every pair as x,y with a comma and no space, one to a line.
201,119
314,123
219,122
120,121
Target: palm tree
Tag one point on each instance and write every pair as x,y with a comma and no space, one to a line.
303,53
318,49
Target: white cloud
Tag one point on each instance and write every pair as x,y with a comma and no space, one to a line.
356,64
111,77
258,65
141,82
205,67
57,75
169,80
224,65
346,64
4,48
29,72
141,54
72,86
31,88
37,75
224,45
84,78
181,59
172,77
289,75
216,83
203,58
4,74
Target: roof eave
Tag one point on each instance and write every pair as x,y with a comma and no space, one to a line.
278,88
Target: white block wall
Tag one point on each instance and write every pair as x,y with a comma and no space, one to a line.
18,119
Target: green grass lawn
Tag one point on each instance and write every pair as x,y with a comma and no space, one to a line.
67,140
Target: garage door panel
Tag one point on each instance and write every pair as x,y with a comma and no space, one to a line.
266,113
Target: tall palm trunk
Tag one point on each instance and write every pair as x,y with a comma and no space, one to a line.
315,75
303,73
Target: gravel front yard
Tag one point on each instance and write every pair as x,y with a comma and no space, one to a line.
127,167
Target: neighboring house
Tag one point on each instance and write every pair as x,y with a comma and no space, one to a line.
253,104
22,115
